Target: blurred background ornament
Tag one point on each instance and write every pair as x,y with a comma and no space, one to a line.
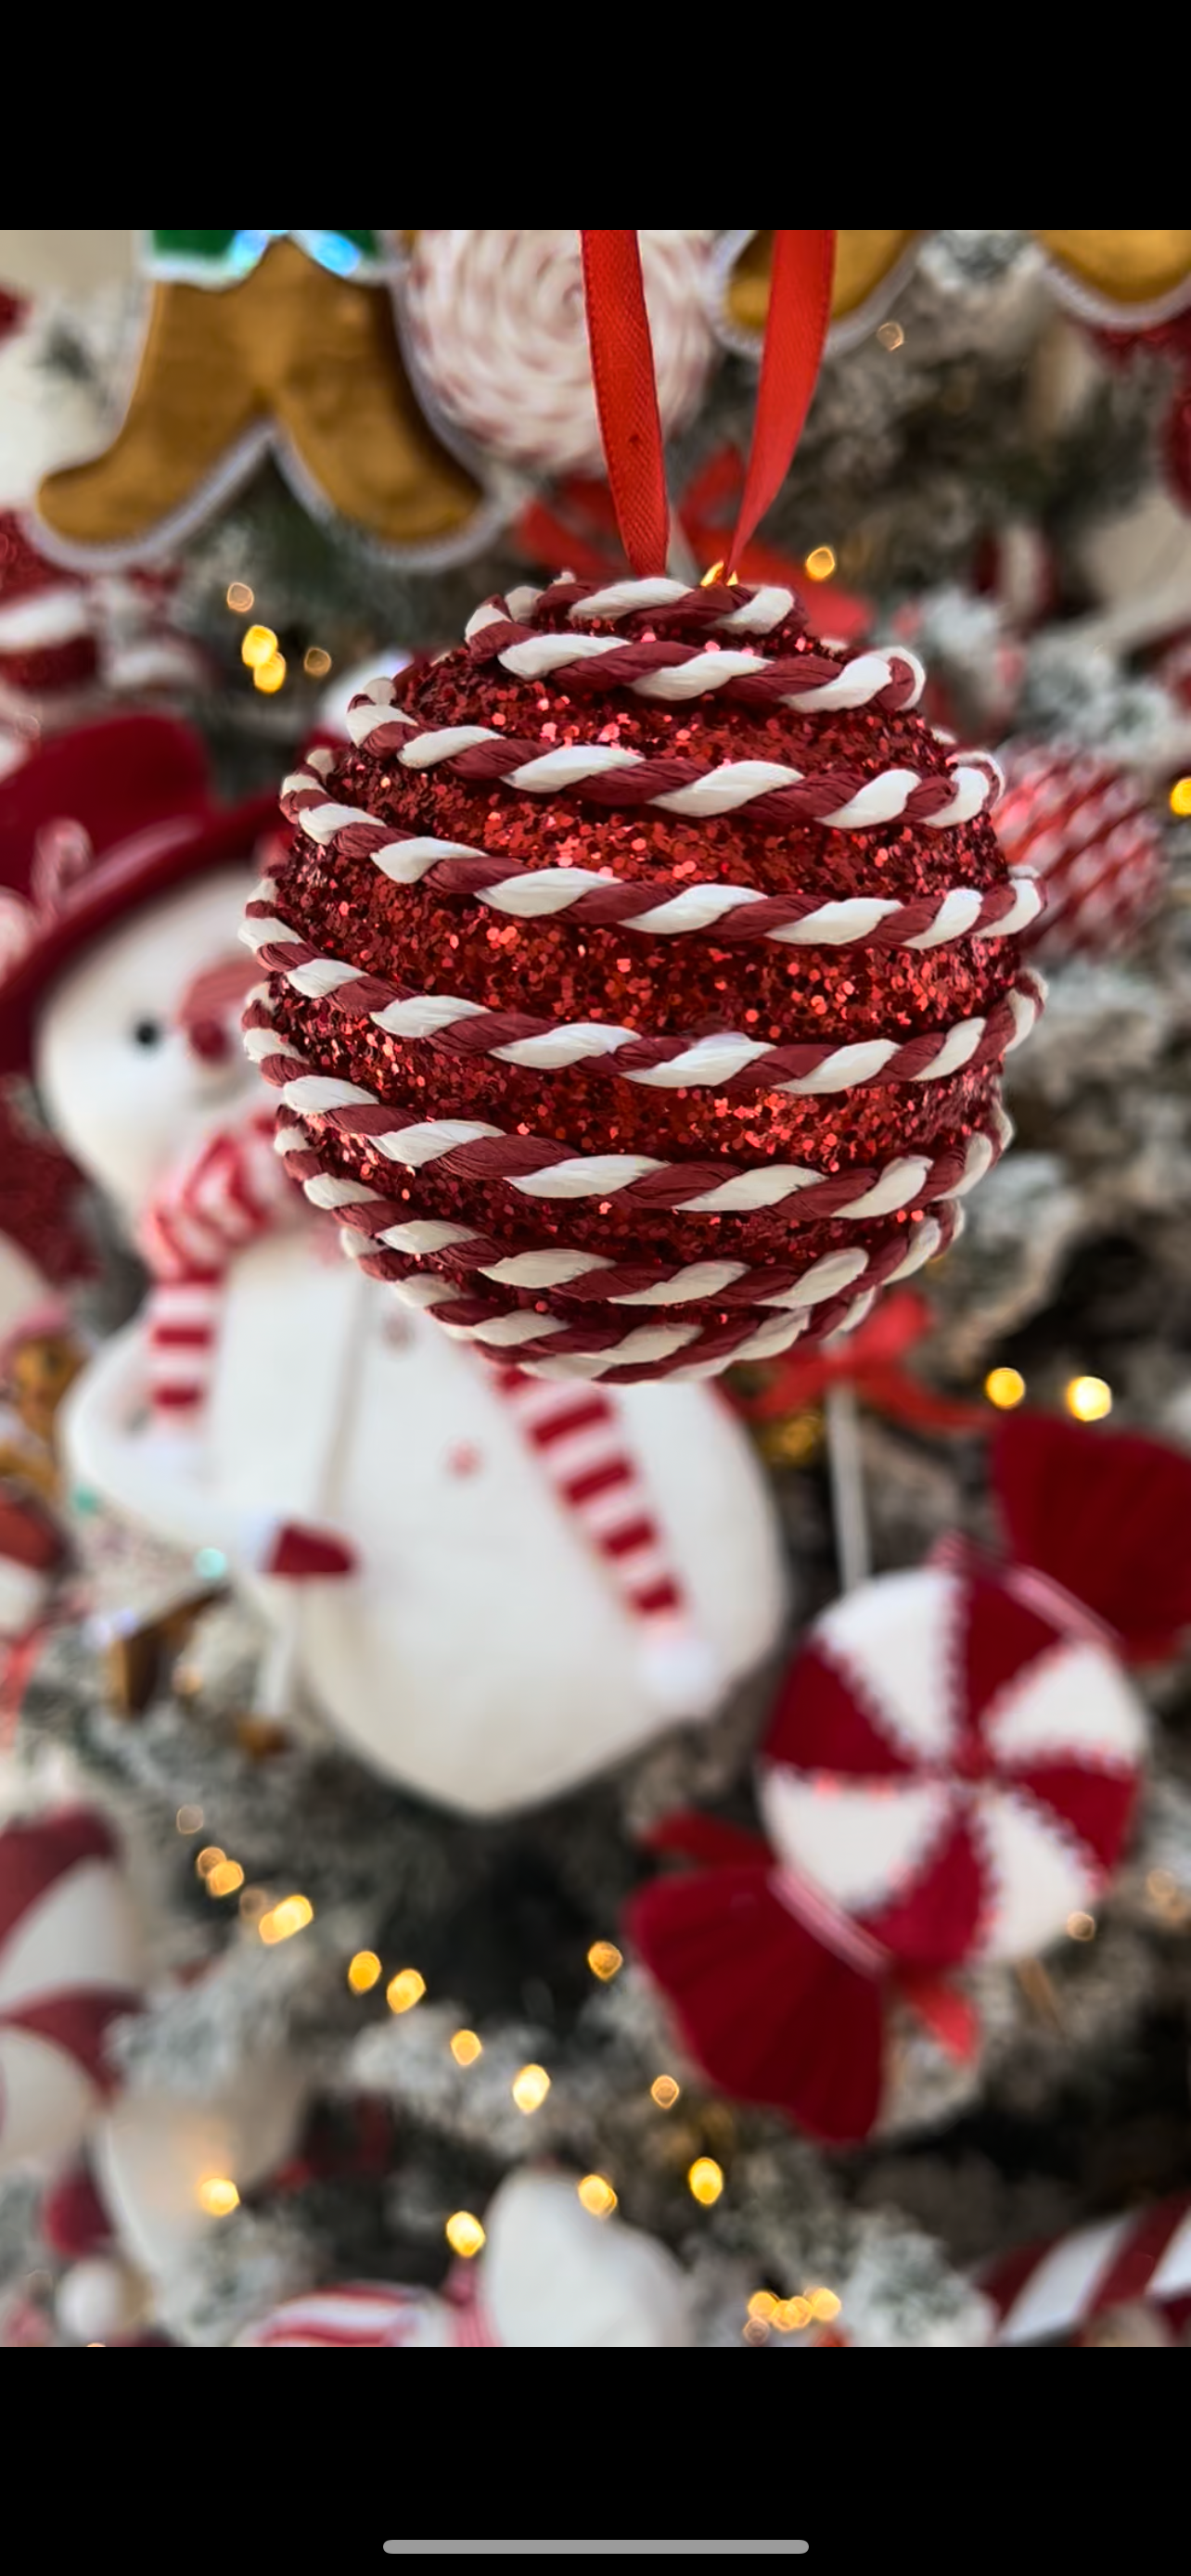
1088,829
70,1966
259,341
496,330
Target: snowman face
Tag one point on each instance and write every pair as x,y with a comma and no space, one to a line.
129,1088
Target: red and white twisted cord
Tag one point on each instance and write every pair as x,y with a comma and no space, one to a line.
684,1351
653,907
726,1062
612,775
473,1150
670,673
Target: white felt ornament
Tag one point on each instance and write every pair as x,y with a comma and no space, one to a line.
551,2275
156,2157
69,1967
100,2299
495,327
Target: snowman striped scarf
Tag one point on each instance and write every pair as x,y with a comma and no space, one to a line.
211,1208
234,1191
578,1437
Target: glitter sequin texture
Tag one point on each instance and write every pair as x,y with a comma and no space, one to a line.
687,985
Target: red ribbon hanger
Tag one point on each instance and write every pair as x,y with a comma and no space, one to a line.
626,389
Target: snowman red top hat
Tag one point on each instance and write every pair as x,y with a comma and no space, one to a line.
99,822
949,1775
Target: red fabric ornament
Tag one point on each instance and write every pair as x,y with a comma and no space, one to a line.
42,1199
74,2220
872,1362
949,1774
606,1011
575,532
1089,831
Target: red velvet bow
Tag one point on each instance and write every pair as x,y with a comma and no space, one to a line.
871,1361
575,531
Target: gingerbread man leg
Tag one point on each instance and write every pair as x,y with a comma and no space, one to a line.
338,387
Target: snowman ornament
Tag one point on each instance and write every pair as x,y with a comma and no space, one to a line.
489,1587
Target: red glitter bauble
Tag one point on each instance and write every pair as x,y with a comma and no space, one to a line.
722,1071
1087,829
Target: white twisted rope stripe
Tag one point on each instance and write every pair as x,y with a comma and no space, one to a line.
613,774
653,907
669,672
726,1061
495,326
620,1282
475,1150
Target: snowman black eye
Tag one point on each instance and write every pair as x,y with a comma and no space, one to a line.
148,1033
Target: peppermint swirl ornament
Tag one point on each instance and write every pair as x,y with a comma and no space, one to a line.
1089,831
949,1776
639,982
69,1966
495,326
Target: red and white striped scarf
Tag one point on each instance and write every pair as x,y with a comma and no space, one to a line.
579,1440
226,1196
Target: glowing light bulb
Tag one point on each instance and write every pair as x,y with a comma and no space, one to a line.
1180,796
269,676
1088,1398
665,2092
363,1972
208,1859
240,598
189,1820
315,662
281,1921
763,2304
218,2196
705,2180
604,1959
404,1990
596,2193
823,2305
225,1878
791,2315
891,335
820,563
1004,1387
465,2047
258,647
530,2088
464,2234
1082,1927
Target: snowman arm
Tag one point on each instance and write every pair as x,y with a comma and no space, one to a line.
160,1480
114,1448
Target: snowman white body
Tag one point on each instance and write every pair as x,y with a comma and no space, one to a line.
480,1655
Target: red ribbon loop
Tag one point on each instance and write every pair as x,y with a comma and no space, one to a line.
626,391
626,395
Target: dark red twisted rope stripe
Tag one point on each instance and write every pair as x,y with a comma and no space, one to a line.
640,783
483,1032
608,906
510,1158
594,1287
699,612
766,688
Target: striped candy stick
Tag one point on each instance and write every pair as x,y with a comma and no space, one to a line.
1051,2292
